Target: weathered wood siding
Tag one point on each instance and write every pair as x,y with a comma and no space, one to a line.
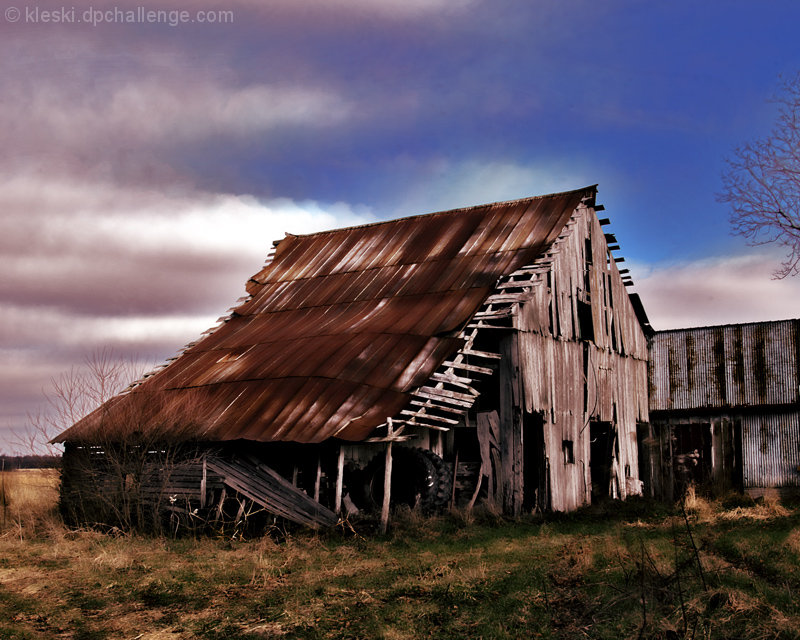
583,357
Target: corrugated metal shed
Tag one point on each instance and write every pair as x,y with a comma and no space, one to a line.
771,449
728,366
341,326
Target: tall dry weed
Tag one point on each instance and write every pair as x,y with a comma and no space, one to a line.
29,503
698,506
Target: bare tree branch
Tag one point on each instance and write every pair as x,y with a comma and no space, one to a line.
762,184
73,395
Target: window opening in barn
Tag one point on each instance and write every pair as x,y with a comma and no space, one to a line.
602,438
587,269
613,332
567,450
585,321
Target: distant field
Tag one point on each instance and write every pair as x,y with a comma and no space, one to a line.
27,496
622,571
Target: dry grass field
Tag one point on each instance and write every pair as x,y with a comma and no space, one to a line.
633,570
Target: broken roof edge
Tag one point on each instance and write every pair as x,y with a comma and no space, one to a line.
590,191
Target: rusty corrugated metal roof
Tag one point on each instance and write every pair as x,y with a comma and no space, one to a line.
725,366
341,325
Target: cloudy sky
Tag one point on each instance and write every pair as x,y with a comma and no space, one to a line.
150,159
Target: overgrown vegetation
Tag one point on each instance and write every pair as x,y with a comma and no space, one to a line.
620,570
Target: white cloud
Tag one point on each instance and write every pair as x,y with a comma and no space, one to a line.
152,111
444,184
91,265
717,290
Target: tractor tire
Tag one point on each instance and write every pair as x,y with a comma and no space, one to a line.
444,488
420,478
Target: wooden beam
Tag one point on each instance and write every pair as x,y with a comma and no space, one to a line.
516,284
434,427
482,354
318,477
503,312
483,325
435,394
337,504
498,298
453,379
429,416
387,480
203,485
468,367
439,407
455,395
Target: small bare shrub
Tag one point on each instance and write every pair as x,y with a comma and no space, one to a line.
697,506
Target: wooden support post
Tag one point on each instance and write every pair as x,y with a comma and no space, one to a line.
455,478
510,414
387,479
337,504
222,495
477,489
318,477
203,485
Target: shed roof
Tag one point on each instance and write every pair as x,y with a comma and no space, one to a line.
725,366
340,326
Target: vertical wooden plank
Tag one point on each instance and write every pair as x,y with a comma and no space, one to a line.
510,426
220,507
337,504
387,480
203,485
318,478
455,479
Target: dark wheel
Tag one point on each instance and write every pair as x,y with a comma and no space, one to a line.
419,478
444,473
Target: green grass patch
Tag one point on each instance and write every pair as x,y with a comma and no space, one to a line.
632,570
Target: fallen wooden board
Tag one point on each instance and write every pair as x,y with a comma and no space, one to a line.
265,487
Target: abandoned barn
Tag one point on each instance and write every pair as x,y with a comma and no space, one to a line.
724,409
487,353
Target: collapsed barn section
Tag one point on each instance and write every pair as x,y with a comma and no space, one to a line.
490,353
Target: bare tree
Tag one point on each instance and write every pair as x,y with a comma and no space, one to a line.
762,183
73,395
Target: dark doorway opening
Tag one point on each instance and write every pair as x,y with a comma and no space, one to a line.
691,455
602,437
535,496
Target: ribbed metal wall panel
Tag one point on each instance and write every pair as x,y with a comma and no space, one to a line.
771,450
741,365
